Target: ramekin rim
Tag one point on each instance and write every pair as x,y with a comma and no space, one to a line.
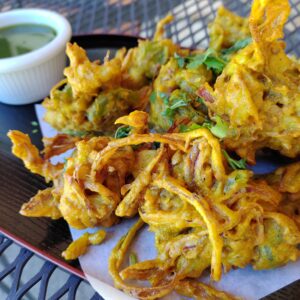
45,53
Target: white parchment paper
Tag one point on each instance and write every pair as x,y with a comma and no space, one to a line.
246,283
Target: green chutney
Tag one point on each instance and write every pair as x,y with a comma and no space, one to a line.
23,38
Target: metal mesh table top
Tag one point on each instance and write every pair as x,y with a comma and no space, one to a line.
139,18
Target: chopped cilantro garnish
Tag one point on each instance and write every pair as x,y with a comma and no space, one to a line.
170,110
35,131
216,64
178,103
220,129
237,46
122,131
209,58
235,164
207,124
132,259
197,60
185,128
169,113
164,97
34,123
180,60
200,100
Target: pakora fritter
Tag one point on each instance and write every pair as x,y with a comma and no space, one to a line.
245,80
204,214
248,83
257,92
171,167
94,95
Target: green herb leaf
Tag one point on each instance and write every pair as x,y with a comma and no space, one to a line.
220,129
200,100
122,132
170,110
185,128
132,259
207,124
35,131
216,64
169,113
199,59
209,58
237,46
34,123
153,97
164,97
180,60
235,164
178,103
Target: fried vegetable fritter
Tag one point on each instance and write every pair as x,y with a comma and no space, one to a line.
174,100
91,98
205,208
204,214
94,95
257,93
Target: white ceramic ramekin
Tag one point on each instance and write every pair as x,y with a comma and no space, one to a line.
29,77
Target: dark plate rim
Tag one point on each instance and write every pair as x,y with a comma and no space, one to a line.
105,40
43,254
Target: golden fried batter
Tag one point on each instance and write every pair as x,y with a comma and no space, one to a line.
287,181
258,93
80,246
94,95
203,213
226,29
246,208
142,63
174,100
206,210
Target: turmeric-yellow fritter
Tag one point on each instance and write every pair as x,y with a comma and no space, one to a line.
203,213
257,92
171,167
94,95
